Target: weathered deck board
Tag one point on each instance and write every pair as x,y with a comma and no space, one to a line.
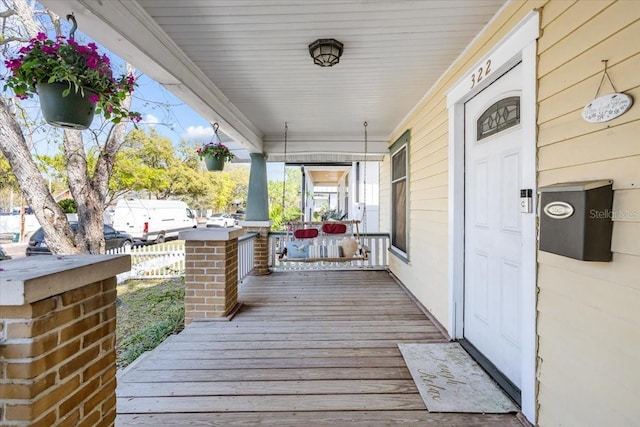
307,348
274,374
248,388
272,403
319,419
160,362
318,327
317,337
277,353
202,345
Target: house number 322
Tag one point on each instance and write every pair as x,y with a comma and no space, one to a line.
481,73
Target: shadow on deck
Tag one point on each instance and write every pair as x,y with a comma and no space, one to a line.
306,349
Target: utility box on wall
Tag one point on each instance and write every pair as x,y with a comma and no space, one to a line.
576,219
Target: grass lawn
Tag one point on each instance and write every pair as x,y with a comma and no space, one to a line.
148,312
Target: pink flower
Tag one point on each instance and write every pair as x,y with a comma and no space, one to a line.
92,62
41,37
49,50
13,64
93,98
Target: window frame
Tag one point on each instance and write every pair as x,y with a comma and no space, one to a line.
402,143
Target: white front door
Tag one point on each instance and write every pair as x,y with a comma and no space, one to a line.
493,224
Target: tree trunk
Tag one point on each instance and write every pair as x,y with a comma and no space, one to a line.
60,237
90,217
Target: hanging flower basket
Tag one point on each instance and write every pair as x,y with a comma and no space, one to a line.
214,163
215,153
74,74
73,111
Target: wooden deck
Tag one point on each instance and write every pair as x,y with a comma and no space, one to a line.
306,349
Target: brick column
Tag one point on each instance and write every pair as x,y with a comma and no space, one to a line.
261,246
211,273
57,340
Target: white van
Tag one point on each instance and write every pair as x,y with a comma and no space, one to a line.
153,220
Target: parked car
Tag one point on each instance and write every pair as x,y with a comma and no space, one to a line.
112,239
3,255
220,220
238,217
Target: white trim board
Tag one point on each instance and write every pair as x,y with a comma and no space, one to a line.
518,46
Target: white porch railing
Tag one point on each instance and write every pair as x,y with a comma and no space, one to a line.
378,244
166,260
246,245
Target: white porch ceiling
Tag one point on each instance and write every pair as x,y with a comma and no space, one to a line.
328,176
245,63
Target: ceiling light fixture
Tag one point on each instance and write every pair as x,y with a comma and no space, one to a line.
326,52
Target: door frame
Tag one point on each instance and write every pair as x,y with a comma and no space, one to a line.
519,45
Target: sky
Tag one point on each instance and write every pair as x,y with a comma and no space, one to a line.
167,114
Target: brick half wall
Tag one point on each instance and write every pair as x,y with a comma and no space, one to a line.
57,358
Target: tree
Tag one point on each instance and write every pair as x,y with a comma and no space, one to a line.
8,185
7,178
88,186
150,156
68,205
282,211
239,175
149,164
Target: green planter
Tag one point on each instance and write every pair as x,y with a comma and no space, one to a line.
214,163
73,111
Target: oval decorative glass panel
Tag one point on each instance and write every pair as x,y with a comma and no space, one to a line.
607,107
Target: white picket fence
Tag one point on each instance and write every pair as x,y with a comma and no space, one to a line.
162,261
166,260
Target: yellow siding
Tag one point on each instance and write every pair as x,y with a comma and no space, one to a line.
588,317
589,340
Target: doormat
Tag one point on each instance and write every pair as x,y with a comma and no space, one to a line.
449,380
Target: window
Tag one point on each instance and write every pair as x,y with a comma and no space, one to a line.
399,194
500,116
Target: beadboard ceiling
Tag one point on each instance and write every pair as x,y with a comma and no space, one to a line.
245,63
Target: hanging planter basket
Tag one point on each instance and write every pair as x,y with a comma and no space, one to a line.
214,163
73,111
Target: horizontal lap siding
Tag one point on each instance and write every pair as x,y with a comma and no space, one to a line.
588,317
426,274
